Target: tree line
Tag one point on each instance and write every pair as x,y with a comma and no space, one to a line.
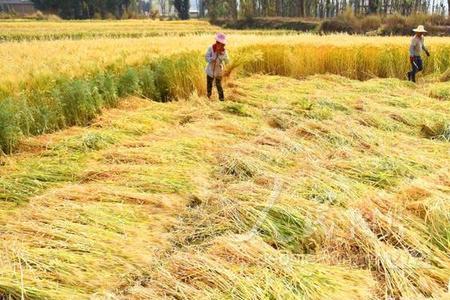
85,9
319,8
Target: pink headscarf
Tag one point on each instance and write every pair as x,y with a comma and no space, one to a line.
221,38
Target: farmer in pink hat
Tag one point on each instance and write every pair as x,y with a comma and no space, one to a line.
216,57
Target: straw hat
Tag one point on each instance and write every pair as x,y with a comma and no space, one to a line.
419,28
221,38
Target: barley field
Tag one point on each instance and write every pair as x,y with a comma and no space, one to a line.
23,30
28,30
324,174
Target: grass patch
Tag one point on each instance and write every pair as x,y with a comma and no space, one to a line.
439,131
237,166
441,92
10,121
36,175
383,172
237,109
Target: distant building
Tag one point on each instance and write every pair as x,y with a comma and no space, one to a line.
193,13
144,7
165,8
17,6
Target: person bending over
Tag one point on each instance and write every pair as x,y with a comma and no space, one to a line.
216,57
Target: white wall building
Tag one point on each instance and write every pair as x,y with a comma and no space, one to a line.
166,8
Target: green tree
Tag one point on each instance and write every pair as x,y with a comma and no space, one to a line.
85,9
182,7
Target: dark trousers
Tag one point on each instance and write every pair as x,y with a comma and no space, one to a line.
417,66
209,85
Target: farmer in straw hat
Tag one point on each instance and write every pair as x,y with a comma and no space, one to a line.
216,57
417,45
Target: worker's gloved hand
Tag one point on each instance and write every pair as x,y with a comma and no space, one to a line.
411,59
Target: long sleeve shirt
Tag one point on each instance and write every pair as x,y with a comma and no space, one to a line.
215,62
417,45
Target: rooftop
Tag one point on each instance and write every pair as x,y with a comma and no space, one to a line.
15,2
